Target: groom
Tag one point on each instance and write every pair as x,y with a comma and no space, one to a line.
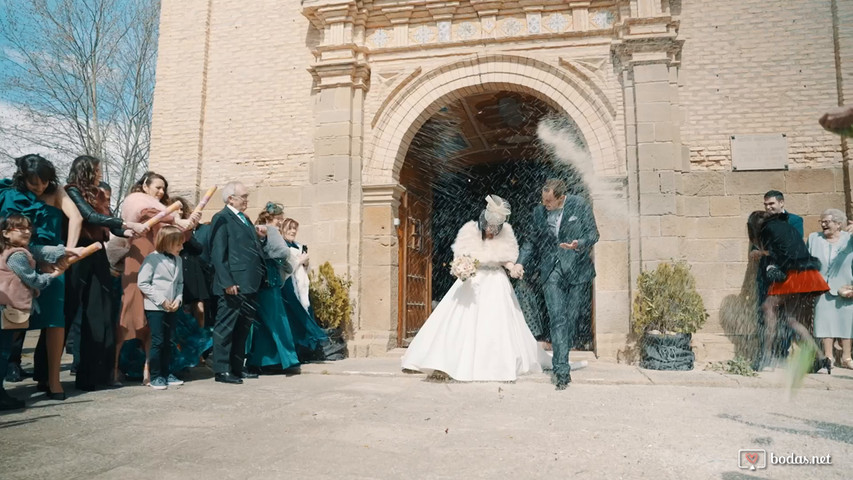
561,236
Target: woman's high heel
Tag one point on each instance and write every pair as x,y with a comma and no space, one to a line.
847,363
827,364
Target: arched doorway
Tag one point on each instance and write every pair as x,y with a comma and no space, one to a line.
474,145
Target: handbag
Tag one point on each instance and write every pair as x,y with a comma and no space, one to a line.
14,319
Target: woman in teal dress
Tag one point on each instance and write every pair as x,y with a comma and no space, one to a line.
34,192
271,344
309,337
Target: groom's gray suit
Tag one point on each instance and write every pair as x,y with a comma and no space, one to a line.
566,275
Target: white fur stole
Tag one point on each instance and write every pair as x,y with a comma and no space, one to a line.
497,251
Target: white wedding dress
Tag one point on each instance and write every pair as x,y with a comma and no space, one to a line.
477,332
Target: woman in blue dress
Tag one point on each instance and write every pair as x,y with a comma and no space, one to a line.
271,344
309,337
34,192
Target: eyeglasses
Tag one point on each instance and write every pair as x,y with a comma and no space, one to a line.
244,197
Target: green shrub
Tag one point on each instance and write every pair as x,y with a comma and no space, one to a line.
329,296
667,301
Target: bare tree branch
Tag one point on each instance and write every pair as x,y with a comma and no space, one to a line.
83,80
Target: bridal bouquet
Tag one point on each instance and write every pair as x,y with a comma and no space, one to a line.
464,267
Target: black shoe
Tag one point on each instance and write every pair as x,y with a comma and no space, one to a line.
227,378
42,387
563,383
9,403
55,396
248,374
14,374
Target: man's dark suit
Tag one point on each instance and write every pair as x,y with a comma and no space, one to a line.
566,275
235,253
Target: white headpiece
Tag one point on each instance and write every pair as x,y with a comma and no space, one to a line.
497,209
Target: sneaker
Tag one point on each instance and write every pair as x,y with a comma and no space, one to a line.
159,383
173,380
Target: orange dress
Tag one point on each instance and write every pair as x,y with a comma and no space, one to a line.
137,207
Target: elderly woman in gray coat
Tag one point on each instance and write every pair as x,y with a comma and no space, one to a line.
834,309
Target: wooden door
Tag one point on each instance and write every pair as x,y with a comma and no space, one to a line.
415,289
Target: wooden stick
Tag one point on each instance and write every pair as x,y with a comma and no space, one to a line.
206,198
168,211
86,252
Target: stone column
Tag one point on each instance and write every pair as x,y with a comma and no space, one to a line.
341,76
380,271
648,54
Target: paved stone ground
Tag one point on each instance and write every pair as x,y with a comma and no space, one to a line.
362,418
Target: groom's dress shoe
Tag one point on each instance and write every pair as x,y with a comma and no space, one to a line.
563,383
248,374
227,378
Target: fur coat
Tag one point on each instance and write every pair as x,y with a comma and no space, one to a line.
490,252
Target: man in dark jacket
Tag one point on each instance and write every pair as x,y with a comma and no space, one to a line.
238,265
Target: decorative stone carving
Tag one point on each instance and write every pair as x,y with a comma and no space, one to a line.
534,23
512,27
466,30
422,35
558,23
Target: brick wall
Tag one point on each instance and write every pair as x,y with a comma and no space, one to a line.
749,66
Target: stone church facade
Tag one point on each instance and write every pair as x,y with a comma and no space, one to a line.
316,104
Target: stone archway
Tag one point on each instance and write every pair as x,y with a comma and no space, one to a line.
403,113
400,117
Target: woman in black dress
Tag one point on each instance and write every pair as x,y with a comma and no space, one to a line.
89,290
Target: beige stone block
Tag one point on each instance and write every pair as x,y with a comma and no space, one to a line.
738,183
702,184
612,312
750,203
665,132
321,232
645,132
735,275
611,266
377,221
379,300
819,202
796,202
649,226
331,211
724,206
732,250
654,92
655,72
712,347
693,206
612,227
649,181
721,227
661,248
329,192
656,156
709,276
668,181
380,251
332,146
657,204
287,196
699,249
810,180
654,112
671,225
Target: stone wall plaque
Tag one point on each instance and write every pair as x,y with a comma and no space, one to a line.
760,152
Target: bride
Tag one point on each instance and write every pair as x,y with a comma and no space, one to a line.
477,332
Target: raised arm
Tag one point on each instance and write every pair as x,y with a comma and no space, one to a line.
75,220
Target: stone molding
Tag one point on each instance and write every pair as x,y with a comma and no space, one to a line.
421,98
